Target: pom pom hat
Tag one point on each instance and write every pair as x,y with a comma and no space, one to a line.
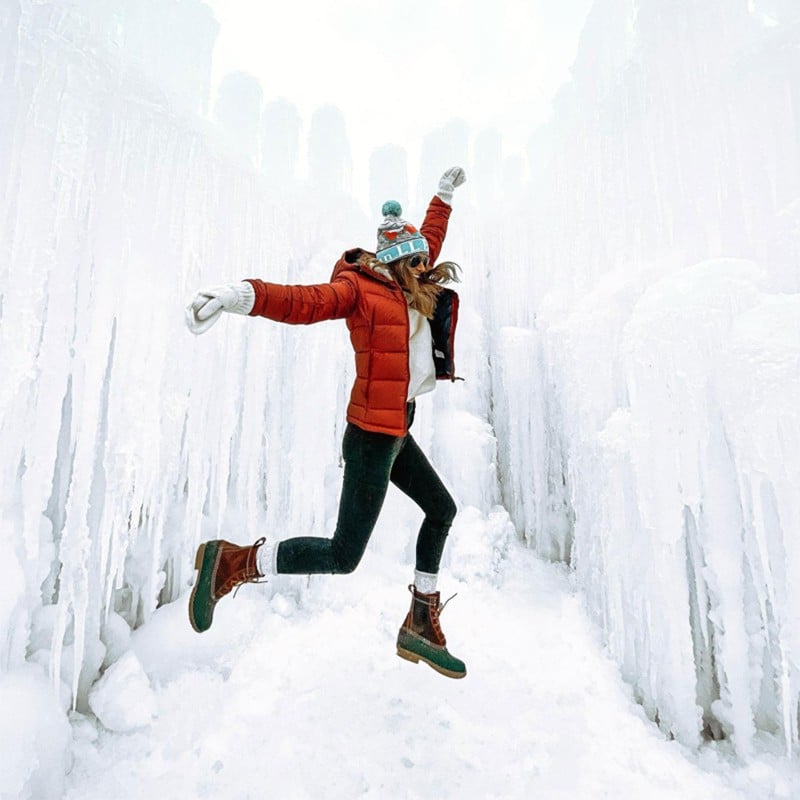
396,237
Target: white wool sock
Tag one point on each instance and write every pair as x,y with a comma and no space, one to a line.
425,582
267,558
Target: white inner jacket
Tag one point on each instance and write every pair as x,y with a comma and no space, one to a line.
420,355
422,372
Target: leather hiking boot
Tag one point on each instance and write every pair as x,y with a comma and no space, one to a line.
221,566
421,637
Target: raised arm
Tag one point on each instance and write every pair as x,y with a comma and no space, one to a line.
434,226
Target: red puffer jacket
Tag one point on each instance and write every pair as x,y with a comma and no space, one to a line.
377,317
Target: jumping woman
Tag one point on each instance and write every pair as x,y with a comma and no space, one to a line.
402,324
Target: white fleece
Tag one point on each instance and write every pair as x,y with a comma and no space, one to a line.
420,355
422,373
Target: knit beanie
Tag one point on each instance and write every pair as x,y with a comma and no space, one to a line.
396,237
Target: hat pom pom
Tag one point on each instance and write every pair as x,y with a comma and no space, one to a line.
391,208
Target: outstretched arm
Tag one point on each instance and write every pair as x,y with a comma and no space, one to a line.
303,305
206,307
292,304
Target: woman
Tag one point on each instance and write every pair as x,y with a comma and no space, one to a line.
402,324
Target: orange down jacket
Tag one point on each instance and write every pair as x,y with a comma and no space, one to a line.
376,312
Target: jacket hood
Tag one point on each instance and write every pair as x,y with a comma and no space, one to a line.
358,260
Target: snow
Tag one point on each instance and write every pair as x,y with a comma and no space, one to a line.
35,732
307,699
122,699
629,335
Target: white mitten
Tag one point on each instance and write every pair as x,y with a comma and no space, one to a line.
452,178
208,304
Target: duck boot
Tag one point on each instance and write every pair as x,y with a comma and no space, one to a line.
221,567
421,637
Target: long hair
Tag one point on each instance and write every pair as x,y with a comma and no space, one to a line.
423,290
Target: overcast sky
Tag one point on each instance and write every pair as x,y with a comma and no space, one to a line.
398,69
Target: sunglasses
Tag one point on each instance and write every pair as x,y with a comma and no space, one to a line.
418,261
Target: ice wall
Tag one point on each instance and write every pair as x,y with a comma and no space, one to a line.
125,439
388,169
238,113
330,163
280,134
650,307
99,180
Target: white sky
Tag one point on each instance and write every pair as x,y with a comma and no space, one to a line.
398,69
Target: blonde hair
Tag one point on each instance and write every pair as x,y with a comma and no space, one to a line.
425,288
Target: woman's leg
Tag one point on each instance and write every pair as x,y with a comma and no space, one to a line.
420,637
413,474
368,463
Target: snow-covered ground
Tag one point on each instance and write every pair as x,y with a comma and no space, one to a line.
308,700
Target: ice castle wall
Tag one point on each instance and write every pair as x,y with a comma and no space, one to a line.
654,322
125,439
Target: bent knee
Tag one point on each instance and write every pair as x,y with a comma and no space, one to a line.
445,512
345,563
452,510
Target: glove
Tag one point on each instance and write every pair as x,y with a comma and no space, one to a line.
208,304
450,180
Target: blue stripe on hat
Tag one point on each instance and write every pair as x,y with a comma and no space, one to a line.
406,248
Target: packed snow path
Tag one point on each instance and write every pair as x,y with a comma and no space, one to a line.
308,700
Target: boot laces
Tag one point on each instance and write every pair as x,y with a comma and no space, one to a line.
236,582
436,608
421,598
442,606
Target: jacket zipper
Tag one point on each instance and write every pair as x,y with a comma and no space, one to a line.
408,360
407,328
451,339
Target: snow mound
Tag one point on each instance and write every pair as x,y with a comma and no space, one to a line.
34,728
123,699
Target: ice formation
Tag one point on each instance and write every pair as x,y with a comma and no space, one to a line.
630,332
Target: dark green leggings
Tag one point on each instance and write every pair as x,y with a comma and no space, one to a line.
371,460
